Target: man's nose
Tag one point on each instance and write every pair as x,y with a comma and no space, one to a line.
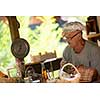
69,40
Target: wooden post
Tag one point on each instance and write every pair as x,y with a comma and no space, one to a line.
14,25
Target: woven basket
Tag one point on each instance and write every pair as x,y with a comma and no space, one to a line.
67,77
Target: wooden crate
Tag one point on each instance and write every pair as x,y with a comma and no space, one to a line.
42,57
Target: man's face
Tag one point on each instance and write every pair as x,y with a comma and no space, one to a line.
72,38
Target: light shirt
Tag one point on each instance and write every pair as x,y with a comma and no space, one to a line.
89,56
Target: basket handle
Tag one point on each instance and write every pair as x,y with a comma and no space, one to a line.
72,66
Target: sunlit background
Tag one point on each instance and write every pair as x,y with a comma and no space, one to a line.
43,34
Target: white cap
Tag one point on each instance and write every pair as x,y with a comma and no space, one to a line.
73,26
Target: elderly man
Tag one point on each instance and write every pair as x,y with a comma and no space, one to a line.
79,51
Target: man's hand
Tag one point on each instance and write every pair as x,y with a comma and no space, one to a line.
88,74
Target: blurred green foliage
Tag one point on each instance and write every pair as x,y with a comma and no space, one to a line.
5,43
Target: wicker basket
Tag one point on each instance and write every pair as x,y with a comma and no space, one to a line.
67,78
